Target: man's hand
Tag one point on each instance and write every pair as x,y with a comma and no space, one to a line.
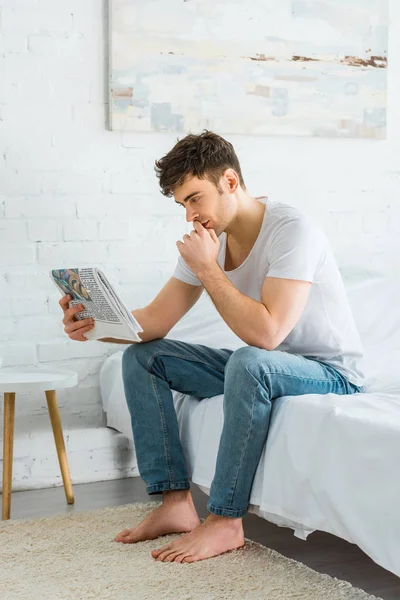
73,327
199,249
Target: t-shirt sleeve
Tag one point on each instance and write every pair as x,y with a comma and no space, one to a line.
296,250
185,273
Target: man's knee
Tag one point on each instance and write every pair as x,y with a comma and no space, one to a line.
249,359
243,357
139,355
249,369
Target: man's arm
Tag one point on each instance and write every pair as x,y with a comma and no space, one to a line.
262,324
157,318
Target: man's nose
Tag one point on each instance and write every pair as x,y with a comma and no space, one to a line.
191,215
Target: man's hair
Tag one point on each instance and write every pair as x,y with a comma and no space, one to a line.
206,156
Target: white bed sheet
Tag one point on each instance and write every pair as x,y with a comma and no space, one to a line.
330,462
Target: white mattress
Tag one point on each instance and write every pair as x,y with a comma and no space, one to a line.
331,462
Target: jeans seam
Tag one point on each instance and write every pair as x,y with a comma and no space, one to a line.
173,355
162,485
341,382
164,428
234,510
299,377
246,442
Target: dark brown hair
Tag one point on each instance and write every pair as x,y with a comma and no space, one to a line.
206,156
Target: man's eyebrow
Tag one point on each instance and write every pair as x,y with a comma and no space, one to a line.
188,197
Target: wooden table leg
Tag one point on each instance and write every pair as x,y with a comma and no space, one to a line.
59,440
8,445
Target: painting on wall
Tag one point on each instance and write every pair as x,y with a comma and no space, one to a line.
264,67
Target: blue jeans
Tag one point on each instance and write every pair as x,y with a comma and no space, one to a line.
249,378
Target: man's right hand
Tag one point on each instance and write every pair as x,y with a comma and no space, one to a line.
72,326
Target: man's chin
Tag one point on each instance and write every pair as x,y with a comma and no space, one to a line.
217,231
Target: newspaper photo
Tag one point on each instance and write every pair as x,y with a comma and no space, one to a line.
89,286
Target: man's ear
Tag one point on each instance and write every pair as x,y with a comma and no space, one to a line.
232,180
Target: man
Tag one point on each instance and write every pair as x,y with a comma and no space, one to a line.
273,278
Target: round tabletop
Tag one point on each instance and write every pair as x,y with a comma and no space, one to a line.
34,379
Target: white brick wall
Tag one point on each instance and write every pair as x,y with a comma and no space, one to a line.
44,230
73,193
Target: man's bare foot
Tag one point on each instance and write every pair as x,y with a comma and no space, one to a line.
214,536
176,515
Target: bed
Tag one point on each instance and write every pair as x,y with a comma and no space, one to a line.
331,463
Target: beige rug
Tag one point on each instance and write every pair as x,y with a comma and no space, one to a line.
74,556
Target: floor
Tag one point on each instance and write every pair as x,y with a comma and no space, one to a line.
322,552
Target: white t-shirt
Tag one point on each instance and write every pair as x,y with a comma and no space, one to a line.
291,246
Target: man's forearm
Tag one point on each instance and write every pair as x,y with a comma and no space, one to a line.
147,322
249,319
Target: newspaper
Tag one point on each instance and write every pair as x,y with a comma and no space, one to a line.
89,286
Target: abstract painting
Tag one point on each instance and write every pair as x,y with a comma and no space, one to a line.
264,67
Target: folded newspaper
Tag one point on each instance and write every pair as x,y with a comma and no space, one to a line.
90,287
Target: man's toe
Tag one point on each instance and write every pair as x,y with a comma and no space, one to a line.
122,534
164,555
179,558
171,557
189,559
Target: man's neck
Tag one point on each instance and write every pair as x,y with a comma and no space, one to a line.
245,226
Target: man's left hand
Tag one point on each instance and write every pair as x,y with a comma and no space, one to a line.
199,249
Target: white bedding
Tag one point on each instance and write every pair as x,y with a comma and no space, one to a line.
331,463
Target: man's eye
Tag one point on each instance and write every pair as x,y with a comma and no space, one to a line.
195,199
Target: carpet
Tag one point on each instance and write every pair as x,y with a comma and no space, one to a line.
74,556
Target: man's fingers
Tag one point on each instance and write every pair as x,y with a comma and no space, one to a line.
72,326
198,227
213,235
64,302
77,336
69,314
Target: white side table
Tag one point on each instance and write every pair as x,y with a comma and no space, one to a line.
31,379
